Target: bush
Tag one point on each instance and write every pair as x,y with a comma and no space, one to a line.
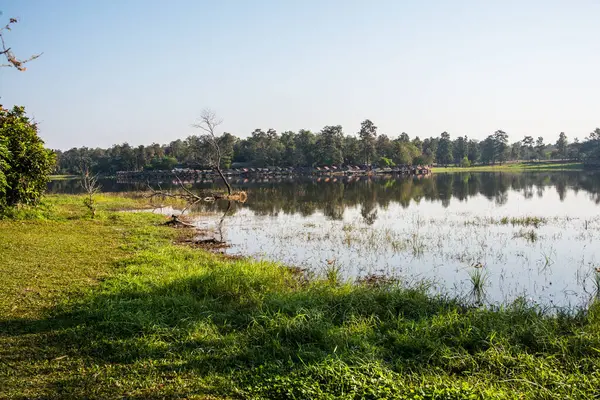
465,162
25,164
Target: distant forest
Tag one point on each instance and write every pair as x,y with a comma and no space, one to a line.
330,146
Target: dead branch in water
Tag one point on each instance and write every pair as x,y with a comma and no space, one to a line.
175,221
192,198
208,123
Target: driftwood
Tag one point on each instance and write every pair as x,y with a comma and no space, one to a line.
175,221
191,198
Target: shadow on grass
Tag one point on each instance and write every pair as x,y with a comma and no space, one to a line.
240,331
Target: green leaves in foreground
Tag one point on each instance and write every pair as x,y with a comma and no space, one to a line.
25,164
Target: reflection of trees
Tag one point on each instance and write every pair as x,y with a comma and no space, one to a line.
368,205
332,196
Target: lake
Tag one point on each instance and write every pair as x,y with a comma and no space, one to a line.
533,235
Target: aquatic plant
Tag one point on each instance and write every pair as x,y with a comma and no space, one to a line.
478,277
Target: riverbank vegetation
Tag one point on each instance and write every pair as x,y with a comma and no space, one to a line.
515,167
114,307
330,146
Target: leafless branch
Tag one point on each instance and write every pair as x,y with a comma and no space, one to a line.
13,61
188,196
91,186
208,123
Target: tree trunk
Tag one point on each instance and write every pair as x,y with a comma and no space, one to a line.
224,180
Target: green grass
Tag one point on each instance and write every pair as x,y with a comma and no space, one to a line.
118,310
63,177
515,167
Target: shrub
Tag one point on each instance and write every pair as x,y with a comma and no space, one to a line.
25,164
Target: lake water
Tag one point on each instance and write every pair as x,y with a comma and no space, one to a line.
533,235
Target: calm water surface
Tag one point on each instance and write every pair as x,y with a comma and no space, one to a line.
433,228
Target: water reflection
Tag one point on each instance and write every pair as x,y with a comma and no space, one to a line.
332,196
532,234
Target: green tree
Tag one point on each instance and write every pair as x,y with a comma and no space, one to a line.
384,146
515,151
473,151
406,153
460,149
539,148
528,147
367,135
351,150
500,146
305,148
561,145
488,150
444,149
25,164
329,145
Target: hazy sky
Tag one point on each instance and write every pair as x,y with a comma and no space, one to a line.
141,71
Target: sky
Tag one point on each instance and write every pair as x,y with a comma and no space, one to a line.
141,71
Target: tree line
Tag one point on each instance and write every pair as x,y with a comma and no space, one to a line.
330,146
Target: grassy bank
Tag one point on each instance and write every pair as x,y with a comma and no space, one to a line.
515,167
63,177
113,307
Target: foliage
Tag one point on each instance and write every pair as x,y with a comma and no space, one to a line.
561,145
367,135
444,149
386,162
25,165
330,146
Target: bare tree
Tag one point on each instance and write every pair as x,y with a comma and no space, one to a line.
209,121
91,186
13,61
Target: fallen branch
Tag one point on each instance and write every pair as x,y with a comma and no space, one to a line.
175,221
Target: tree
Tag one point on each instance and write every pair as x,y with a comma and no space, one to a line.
7,52
473,151
444,149
515,151
351,150
429,150
25,164
459,149
384,146
539,148
406,153
305,147
500,146
209,123
488,150
561,145
528,146
329,145
367,134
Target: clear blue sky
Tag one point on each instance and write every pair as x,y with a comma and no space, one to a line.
141,71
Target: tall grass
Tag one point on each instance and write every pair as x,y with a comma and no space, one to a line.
478,278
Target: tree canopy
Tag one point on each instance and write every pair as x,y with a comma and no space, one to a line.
330,146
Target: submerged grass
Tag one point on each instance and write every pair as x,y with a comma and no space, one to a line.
167,321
